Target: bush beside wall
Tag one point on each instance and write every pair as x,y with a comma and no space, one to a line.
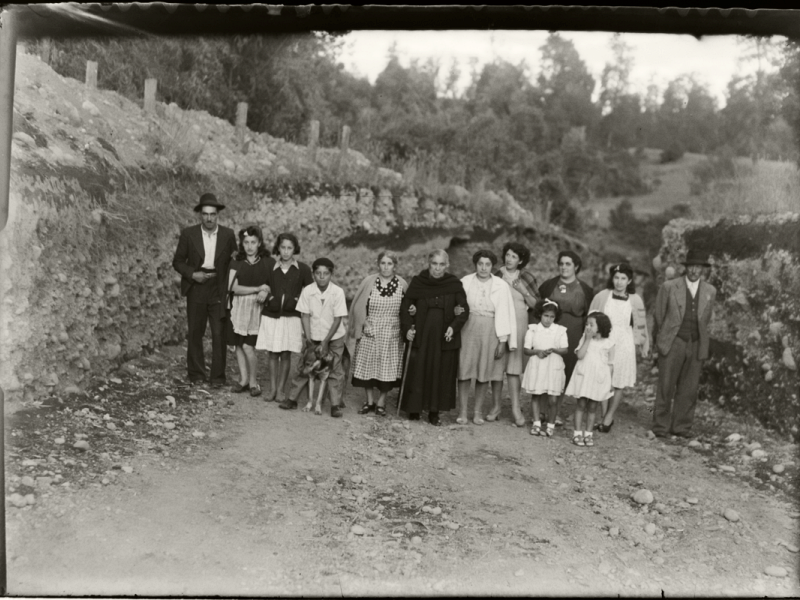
756,327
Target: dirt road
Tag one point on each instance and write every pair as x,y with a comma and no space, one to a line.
248,499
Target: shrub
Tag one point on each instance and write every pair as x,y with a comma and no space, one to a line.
715,168
672,153
758,303
633,229
620,176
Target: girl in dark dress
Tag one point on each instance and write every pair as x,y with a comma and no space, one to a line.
434,334
247,279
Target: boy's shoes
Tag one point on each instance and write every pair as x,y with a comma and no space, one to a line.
288,404
336,411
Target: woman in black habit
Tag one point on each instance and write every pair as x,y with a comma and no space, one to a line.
434,333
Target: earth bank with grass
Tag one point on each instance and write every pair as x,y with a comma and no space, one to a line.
100,191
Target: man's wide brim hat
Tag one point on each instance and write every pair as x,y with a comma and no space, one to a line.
696,257
208,200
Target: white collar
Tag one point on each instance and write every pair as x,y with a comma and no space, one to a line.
210,234
693,286
292,264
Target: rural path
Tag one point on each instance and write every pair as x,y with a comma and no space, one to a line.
253,500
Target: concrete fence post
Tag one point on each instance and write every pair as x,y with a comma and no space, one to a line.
345,146
150,86
313,140
46,50
91,74
241,123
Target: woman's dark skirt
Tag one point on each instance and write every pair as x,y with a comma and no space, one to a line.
381,386
432,372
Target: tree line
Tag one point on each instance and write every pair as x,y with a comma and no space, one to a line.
548,140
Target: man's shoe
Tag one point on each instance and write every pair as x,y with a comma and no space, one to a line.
336,411
288,404
217,383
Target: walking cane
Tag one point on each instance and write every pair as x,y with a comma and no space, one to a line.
405,372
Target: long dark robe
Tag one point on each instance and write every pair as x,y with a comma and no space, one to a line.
433,363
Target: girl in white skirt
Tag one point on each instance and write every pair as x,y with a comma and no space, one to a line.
545,343
591,380
281,331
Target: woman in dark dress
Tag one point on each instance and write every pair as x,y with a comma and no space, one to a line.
434,334
573,297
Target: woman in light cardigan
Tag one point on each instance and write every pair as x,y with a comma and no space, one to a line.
628,317
491,327
374,316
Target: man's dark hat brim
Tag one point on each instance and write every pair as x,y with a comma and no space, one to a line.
702,263
208,200
696,258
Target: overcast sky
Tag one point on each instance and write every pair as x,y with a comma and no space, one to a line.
657,57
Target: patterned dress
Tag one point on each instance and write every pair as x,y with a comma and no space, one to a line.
378,360
624,366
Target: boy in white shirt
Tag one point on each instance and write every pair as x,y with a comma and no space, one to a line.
322,308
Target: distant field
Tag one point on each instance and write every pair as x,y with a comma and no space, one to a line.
773,181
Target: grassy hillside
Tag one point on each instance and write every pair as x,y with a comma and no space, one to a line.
768,186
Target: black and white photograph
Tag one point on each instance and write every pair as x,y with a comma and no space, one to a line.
425,301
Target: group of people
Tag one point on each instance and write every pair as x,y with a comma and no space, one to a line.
438,334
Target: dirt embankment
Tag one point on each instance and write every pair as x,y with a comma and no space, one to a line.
100,190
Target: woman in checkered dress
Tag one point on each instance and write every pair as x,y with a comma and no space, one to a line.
374,333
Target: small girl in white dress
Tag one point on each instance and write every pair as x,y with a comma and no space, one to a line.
545,343
591,380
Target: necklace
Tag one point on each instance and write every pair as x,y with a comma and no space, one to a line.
389,289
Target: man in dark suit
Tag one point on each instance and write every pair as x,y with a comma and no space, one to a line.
684,307
202,258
